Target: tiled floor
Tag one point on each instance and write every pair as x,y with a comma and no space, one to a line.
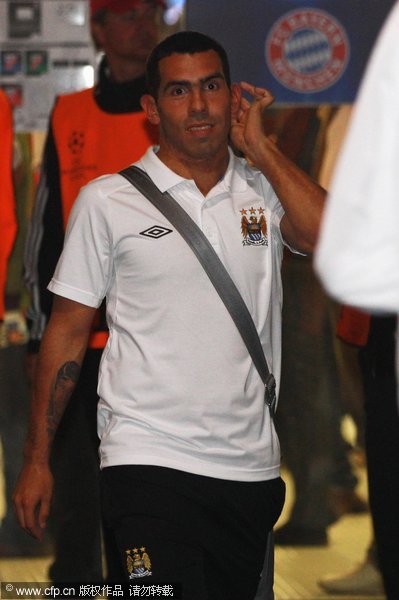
297,569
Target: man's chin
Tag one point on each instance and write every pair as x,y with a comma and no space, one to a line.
204,155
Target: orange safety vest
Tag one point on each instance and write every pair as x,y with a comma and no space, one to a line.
90,143
8,222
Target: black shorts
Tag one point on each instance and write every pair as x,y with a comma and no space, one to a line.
207,534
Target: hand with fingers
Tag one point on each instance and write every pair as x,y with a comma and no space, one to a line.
32,498
247,121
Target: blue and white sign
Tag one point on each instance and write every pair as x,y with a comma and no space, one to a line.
304,52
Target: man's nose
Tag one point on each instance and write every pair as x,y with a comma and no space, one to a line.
198,102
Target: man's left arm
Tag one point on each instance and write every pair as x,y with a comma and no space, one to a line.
301,198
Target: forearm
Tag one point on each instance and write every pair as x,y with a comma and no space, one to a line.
55,381
301,197
56,377
61,355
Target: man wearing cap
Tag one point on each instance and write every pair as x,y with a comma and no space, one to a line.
91,133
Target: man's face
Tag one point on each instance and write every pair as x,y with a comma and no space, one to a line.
193,108
129,35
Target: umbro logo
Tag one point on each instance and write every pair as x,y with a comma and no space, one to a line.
156,232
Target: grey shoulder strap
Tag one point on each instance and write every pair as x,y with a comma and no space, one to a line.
214,268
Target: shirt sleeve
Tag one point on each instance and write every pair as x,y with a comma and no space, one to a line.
44,242
358,252
84,270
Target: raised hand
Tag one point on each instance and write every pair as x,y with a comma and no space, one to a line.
247,132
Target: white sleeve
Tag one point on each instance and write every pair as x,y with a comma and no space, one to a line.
357,256
84,269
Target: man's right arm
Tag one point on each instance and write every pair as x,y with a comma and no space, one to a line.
61,355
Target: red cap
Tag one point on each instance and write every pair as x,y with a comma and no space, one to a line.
118,6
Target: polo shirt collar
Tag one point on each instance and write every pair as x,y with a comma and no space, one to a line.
166,179
162,176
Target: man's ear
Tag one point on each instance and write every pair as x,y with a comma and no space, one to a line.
149,106
236,94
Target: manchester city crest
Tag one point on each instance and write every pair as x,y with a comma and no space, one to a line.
254,227
138,563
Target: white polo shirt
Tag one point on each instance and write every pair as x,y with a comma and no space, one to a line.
177,387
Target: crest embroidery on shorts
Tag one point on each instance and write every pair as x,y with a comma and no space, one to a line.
254,227
138,563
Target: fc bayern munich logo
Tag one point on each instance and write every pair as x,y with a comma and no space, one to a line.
307,50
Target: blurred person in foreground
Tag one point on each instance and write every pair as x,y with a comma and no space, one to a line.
357,259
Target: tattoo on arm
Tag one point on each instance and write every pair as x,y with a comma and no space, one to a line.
62,389
68,372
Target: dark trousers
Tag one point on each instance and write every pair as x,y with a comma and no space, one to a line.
382,445
205,533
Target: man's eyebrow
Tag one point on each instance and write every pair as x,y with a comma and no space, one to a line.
216,75
186,82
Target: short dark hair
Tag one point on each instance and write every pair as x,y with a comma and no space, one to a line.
183,42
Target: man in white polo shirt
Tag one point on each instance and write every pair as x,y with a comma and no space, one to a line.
189,452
